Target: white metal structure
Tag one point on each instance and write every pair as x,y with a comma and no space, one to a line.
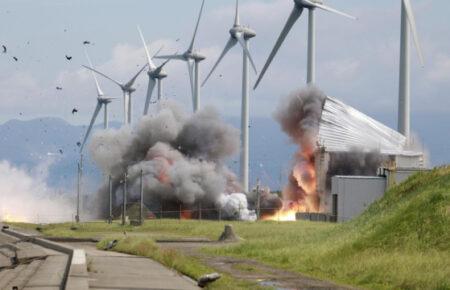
101,101
127,89
408,23
155,75
299,6
242,35
193,59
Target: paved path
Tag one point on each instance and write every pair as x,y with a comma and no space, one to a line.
111,270
36,268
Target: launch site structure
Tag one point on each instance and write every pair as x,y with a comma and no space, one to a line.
369,148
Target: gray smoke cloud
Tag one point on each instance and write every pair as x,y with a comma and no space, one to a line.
182,158
299,116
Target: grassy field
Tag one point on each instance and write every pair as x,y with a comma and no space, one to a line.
400,242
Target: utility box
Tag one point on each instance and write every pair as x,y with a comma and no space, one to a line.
352,195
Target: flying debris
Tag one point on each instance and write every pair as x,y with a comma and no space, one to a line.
78,143
59,88
74,110
61,151
5,50
86,42
15,58
68,57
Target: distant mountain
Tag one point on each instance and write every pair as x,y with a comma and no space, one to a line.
30,143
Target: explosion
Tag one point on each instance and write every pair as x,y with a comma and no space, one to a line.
182,159
299,115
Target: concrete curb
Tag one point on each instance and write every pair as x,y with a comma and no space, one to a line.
75,274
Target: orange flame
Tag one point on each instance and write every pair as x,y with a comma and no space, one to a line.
305,176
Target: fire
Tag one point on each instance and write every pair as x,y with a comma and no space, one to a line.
13,219
301,194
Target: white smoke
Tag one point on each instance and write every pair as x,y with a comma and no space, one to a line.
25,196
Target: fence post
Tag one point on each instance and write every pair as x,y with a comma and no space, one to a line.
199,210
141,217
110,200
124,206
258,201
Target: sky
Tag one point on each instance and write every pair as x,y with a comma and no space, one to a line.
357,61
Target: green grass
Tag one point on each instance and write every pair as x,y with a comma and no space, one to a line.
400,242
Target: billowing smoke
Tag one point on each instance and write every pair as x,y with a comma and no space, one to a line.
182,160
25,196
299,116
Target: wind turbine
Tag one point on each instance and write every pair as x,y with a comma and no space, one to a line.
127,89
155,75
242,35
193,59
299,6
408,22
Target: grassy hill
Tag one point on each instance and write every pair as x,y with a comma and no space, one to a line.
401,242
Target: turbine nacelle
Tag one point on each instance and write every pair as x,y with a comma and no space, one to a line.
245,31
193,55
157,74
309,4
105,100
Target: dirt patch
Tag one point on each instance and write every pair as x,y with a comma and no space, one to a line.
247,269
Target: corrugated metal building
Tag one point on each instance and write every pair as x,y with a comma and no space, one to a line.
351,143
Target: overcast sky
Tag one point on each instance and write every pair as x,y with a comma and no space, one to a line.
357,61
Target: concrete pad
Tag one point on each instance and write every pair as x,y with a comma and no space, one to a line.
22,279
28,251
50,273
10,275
134,273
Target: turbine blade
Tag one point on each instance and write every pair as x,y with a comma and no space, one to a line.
190,65
94,116
231,42
412,23
236,16
191,46
103,75
240,38
295,15
329,9
99,90
159,68
172,56
159,50
131,82
151,86
149,59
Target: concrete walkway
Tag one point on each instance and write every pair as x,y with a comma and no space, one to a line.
35,267
111,270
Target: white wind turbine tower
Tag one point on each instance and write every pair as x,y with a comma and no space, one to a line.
102,100
193,59
299,6
127,89
242,35
408,23
155,75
